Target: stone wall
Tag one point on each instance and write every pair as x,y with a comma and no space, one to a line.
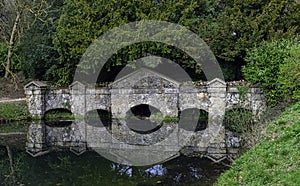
167,95
80,99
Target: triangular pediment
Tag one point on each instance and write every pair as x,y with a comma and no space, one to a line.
145,78
76,84
216,83
38,84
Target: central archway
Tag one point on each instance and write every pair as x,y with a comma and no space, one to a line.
144,119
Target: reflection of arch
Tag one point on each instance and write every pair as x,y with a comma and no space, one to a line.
144,119
58,117
142,111
98,118
193,119
237,119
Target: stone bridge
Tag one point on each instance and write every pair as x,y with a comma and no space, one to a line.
170,97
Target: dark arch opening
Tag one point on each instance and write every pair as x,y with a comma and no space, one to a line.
99,118
143,111
144,119
59,117
193,119
238,120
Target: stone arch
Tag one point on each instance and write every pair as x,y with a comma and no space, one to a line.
144,118
98,118
199,107
143,110
58,117
190,123
58,110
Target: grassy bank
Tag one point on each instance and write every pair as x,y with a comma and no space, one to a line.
273,161
13,112
13,117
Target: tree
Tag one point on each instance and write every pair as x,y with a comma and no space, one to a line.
39,57
229,27
84,21
242,24
7,8
21,11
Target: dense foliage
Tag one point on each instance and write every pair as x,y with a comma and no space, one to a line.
289,74
243,24
52,45
39,57
229,27
275,65
76,30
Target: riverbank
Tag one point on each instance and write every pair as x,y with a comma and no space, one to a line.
275,160
12,100
16,111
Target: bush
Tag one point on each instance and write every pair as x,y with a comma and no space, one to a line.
238,120
289,74
268,65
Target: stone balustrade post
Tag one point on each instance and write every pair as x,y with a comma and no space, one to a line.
78,98
35,92
217,94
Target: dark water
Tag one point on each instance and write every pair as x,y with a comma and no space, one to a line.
61,167
65,168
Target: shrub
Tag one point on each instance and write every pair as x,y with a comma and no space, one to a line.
238,120
267,62
289,74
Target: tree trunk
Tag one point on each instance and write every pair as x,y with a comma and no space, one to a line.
9,153
11,44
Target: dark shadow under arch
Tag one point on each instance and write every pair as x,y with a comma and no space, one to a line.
193,119
59,117
99,118
144,119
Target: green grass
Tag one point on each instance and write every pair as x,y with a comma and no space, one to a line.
273,161
14,127
14,112
170,119
59,115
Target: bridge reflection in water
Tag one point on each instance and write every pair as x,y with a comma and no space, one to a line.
144,94
117,141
